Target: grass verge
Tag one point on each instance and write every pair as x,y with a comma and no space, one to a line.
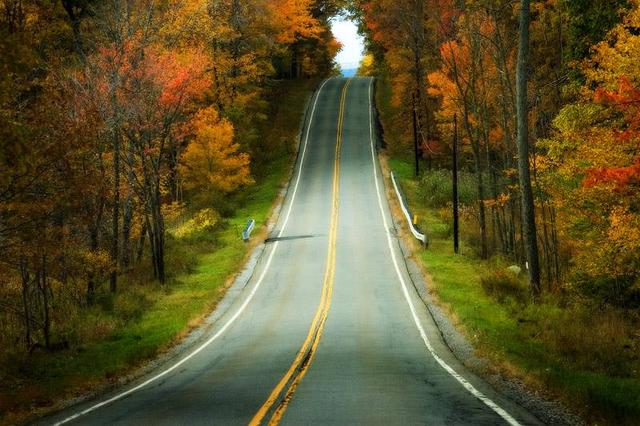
585,355
119,334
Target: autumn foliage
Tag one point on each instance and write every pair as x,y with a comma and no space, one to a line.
212,161
115,116
459,59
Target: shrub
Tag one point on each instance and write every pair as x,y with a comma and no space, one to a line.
435,188
204,221
503,284
618,291
597,338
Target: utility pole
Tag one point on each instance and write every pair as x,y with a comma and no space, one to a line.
415,135
456,213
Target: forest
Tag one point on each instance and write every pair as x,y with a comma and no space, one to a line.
460,60
132,132
549,179
137,136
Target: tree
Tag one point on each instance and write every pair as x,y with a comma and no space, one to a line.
212,162
592,168
524,172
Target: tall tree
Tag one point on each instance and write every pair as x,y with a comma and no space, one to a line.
524,171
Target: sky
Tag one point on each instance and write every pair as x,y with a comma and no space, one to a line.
352,44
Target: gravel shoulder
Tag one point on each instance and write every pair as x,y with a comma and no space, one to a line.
542,406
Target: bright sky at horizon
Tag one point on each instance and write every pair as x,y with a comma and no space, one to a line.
346,32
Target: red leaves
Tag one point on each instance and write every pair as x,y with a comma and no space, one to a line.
179,82
626,99
620,177
626,94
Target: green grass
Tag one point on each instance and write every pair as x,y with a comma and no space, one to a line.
144,319
548,342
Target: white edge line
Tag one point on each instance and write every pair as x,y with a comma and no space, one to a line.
419,236
468,386
242,307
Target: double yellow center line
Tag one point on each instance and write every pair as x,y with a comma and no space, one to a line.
305,355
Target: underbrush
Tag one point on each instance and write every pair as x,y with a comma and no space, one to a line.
567,345
435,188
503,285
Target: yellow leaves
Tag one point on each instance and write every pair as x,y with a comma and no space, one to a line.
212,161
173,211
97,263
367,65
624,229
203,221
185,22
617,56
614,250
594,213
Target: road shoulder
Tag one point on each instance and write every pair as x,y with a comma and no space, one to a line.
505,384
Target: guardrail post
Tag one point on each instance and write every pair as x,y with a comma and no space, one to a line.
246,233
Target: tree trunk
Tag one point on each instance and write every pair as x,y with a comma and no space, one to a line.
25,302
115,224
475,148
127,220
75,17
158,231
456,213
143,235
41,279
528,207
94,242
416,152
91,283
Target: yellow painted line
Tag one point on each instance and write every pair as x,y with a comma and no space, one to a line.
305,355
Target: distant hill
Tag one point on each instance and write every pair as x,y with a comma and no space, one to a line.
349,72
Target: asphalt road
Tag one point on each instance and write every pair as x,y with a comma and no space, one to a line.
328,330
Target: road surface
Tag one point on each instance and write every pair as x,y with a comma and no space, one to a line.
328,330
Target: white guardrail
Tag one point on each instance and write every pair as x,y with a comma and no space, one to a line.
407,214
246,232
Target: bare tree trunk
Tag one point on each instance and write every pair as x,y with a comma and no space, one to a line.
554,238
115,224
158,231
482,220
25,301
41,279
528,207
91,283
143,236
172,178
127,219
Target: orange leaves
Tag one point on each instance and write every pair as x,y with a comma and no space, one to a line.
293,20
